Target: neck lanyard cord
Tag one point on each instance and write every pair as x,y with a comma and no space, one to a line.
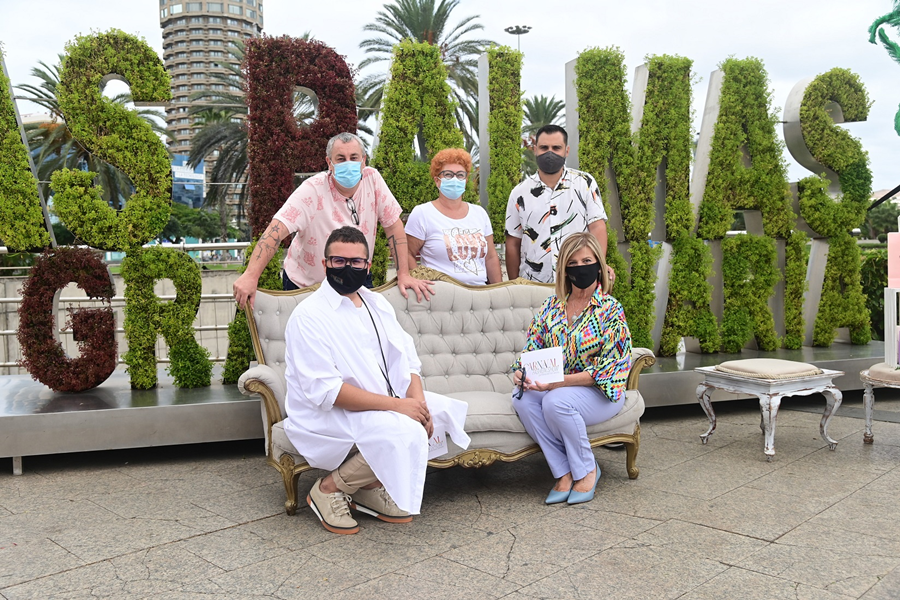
381,349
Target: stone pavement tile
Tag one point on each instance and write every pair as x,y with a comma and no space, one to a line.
738,584
263,578
751,512
52,518
629,570
443,573
246,505
887,588
430,538
30,560
821,534
865,512
394,585
523,555
643,502
167,563
246,471
690,432
603,516
836,571
294,532
74,583
827,482
886,482
17,493
232,548
714,544
879,457
172,504
321,578
885,433
4,512
708,476
658,454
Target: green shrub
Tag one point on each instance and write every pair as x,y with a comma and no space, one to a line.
117,135
750,272
873,275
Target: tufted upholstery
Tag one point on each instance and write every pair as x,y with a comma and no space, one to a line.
466,339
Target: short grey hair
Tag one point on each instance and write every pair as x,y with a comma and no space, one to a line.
346,138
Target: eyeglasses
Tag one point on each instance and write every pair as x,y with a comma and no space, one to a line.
339,262
521,391
353,214
461,175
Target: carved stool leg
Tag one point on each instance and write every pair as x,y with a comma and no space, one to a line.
769,405
869,403
631,450
833,399
703,393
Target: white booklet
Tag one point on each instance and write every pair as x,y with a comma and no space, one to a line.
544,366
437,445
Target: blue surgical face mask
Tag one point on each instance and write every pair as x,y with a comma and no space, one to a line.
452,188
348,173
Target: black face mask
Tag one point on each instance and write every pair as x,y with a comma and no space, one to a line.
550,162
584,276
345,280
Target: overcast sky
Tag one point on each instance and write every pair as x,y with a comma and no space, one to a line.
794,38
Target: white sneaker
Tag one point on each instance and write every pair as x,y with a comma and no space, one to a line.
378,503
332,509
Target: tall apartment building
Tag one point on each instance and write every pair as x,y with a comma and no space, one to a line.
196,36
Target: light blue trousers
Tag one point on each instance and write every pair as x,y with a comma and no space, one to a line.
557,420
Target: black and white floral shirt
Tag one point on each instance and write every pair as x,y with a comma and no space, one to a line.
543,218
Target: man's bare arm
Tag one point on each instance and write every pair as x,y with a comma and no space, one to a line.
245,286
513,256
598,229
397,244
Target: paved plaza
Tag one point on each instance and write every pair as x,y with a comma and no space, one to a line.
701,522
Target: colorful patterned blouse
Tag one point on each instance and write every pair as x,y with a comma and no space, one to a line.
598,343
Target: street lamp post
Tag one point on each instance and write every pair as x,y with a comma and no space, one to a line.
518,31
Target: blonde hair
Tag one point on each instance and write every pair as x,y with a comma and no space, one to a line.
570,246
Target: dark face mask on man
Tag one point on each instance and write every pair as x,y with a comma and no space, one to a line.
346,279
550,162
584,276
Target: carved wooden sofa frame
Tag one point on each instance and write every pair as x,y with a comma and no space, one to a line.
486,387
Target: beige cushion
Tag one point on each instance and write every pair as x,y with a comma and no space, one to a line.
884,372
768,368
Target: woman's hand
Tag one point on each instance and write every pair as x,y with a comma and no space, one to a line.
546,387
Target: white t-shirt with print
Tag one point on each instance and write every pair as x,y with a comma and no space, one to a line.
457,247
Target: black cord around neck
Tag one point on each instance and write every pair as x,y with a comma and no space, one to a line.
391,391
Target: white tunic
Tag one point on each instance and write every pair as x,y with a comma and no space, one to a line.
322,354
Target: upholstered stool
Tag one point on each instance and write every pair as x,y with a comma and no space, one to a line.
880,375
769,379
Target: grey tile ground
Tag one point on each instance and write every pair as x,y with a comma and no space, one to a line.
701,522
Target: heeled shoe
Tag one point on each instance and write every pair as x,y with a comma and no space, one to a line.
576,497
557,496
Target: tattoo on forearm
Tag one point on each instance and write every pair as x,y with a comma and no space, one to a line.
269,241
392,242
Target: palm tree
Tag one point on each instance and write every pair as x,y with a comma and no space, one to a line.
54,147
893,49
539,111
426,21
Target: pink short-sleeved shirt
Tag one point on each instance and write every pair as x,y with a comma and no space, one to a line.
317,208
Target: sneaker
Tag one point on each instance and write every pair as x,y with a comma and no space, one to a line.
378,503
332,509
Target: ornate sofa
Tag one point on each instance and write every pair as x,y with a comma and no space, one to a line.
466,337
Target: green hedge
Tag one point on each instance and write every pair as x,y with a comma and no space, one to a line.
873,276
146,316
750,272
843,303
795,262
504,131
21,217
117,135
240,346
417,95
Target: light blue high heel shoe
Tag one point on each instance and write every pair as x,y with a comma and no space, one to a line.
556,496
576,497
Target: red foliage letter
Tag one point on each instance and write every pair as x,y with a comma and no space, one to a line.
277,146
94,328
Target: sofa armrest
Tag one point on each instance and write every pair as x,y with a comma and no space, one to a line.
263,380
640,358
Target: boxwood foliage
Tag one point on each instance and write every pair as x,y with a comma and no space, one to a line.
276,146
21,217
690,294
504,130
417,100
146,316
118,136
745,130
240,346
93,328
842,303
750,272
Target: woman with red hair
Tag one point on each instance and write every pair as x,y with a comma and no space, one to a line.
450,235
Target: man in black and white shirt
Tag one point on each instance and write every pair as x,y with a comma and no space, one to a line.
549,206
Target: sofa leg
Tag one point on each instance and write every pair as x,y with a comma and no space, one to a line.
631,450
290,489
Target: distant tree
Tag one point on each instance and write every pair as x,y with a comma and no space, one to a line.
882,219
187,222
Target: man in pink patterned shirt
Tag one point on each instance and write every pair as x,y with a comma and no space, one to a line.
348,193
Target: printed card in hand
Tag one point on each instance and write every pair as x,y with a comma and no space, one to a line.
545,365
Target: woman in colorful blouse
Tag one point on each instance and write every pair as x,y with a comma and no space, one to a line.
590,326
451,235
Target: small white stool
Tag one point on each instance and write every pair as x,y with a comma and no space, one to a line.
880,375
770,379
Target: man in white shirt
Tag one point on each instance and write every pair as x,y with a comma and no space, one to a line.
353,384
547,207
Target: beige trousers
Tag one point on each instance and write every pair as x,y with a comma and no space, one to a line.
353,474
